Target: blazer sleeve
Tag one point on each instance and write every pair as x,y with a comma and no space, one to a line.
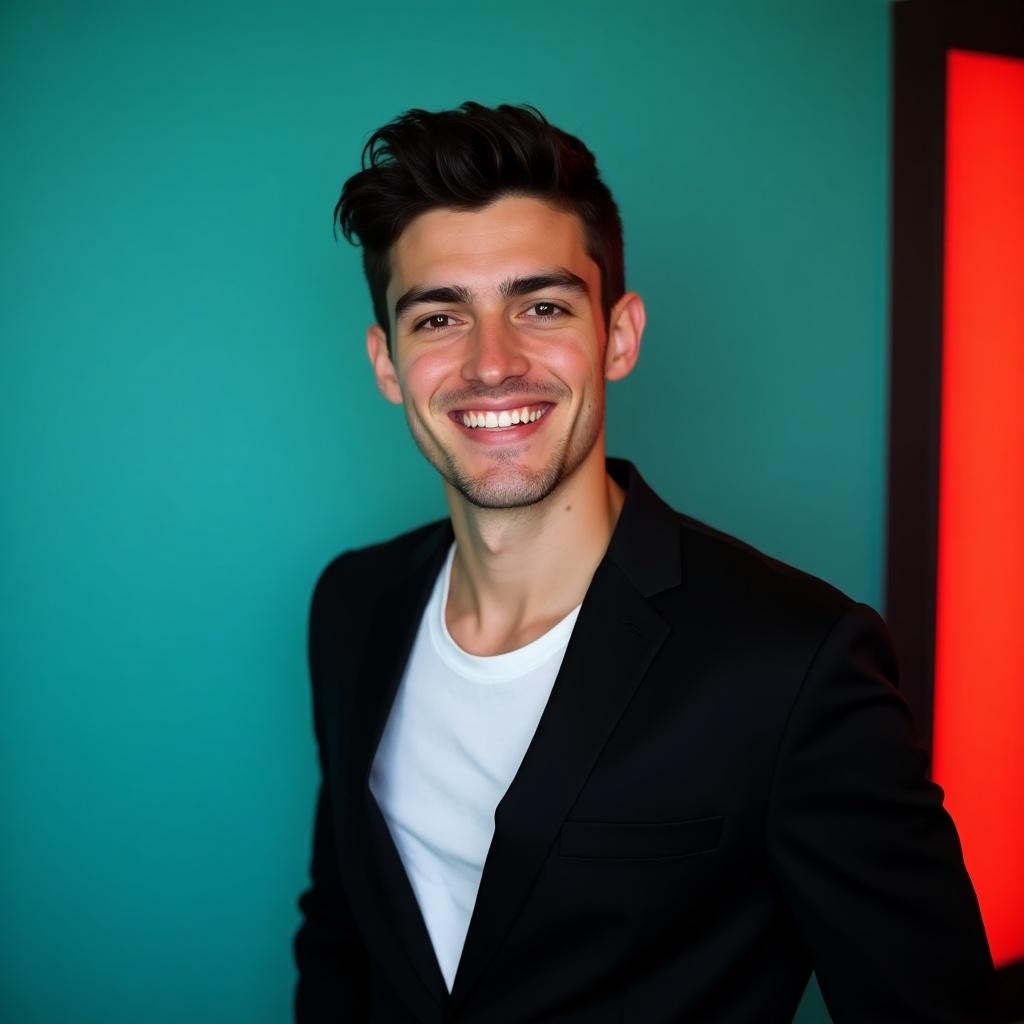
863,851
329,954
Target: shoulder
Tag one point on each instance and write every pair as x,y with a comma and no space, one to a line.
349,588
729,569
802,653
696,571
374,567
758,606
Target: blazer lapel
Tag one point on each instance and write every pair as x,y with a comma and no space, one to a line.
616,636
395,915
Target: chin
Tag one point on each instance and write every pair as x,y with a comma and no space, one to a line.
518,492
514,485
507,483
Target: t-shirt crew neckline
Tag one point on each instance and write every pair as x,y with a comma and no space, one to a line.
493,668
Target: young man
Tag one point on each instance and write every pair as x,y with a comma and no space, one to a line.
583,758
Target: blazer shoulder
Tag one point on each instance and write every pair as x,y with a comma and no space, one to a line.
767,612
373,566
743,578
347,590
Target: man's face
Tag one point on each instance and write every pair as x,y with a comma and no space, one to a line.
498,346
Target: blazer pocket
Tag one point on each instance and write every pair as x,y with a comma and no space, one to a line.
613,840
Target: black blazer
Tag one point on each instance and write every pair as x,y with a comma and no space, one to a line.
723,793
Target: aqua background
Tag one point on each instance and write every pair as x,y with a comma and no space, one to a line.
188,429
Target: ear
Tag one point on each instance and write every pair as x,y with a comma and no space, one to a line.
625,329
383,368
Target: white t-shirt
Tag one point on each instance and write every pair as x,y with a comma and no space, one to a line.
455,738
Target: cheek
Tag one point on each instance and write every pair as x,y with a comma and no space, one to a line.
424,376
573,362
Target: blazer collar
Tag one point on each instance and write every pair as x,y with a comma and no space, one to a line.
645,543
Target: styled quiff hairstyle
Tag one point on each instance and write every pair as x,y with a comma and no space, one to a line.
465,159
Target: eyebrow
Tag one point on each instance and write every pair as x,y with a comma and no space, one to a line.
558,278
510,288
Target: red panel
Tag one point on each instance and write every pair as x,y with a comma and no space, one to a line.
979,664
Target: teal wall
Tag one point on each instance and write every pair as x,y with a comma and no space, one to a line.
189,431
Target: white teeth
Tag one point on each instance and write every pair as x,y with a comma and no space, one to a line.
505,418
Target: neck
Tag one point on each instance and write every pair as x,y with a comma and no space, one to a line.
518,571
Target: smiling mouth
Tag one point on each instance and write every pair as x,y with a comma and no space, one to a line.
500,419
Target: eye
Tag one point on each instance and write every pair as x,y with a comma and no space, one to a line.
435,322
545,311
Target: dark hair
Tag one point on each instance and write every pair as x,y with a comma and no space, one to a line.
465,159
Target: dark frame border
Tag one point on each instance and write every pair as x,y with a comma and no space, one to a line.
923,31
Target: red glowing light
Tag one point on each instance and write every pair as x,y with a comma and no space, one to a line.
979,652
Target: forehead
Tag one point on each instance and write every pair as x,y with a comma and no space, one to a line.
514,235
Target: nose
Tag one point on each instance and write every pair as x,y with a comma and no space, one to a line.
494,353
